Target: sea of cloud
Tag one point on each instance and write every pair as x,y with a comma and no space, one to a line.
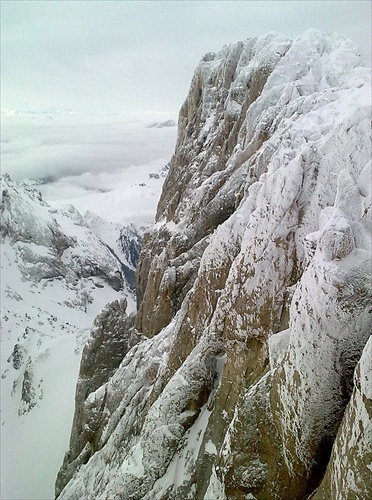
77,154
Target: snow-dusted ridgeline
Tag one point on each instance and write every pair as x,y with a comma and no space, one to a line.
254,287
57,272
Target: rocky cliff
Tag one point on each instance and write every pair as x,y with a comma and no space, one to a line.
245,373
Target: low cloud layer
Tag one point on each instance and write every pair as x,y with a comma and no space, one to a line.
79,154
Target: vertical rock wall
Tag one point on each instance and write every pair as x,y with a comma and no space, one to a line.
254,286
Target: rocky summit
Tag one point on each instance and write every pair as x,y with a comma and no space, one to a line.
246,372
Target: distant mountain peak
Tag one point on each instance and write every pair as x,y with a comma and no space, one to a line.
167,123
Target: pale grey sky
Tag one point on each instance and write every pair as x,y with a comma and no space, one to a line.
138,56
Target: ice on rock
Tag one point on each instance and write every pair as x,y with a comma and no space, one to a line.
349,469
254,290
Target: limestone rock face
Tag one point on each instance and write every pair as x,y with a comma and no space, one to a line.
349,470
253,289
111,339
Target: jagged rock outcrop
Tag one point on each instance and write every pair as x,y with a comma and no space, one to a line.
254,288
124,242
112,337
48,248
348,473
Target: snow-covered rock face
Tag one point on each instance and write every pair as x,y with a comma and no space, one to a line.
253,288
51,244
349,465
58,271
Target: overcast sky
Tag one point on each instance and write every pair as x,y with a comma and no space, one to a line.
138,56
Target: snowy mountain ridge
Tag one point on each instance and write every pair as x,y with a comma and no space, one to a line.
57,272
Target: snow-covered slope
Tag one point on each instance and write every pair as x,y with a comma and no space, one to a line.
254,288
132,202
56,275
